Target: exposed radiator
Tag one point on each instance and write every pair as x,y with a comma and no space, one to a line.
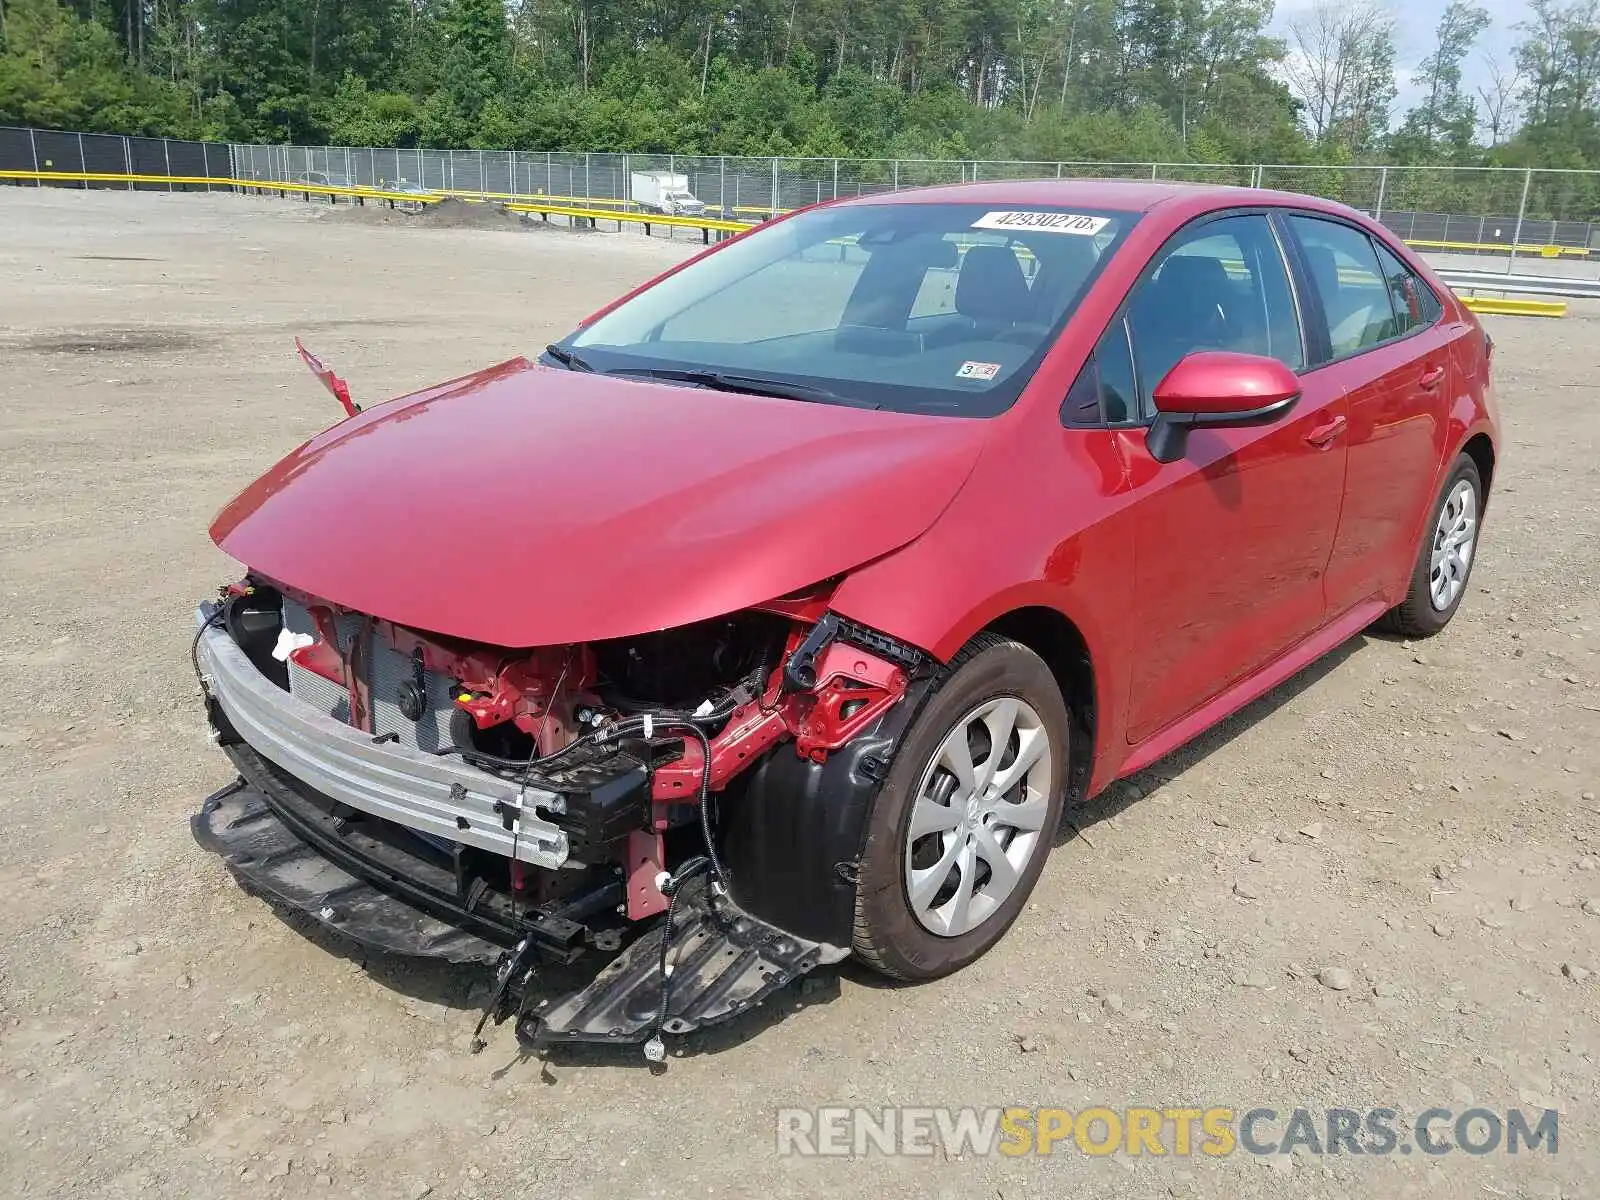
387,671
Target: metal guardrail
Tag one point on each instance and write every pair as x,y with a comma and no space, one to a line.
621,216
1528,285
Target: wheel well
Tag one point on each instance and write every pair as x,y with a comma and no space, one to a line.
1054,638
1481,450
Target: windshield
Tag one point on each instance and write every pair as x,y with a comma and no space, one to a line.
938,308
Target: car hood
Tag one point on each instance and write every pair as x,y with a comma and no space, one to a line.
524,505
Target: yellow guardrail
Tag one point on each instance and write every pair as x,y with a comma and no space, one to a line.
1505,306
565,206
580,201
620,216
215,181
1499,248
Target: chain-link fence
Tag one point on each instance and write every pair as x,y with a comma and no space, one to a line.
1514,214
1490,207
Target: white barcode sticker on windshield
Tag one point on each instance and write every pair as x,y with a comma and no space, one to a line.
1044,222
977,370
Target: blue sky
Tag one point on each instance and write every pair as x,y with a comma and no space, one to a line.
1414,25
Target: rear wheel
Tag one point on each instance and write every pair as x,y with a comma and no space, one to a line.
1444,560
961,829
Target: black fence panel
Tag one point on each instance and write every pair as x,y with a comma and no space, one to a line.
58,152
1488,230
104,154
189,161
150,156
48,150
16,152
218,160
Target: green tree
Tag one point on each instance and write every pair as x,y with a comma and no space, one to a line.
1038,80
1442,125
63,72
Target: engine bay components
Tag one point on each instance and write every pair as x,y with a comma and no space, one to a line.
429,796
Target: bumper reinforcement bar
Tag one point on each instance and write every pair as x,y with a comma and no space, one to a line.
435,795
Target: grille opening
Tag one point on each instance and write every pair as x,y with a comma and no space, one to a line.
389,674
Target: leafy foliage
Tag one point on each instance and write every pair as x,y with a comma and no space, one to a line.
1035,80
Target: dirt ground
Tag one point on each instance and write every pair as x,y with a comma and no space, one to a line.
1422,817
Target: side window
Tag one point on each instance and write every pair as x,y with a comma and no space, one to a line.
1415,305
1103,393
1221,286
1347,279
1118,398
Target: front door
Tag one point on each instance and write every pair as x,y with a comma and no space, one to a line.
1234,537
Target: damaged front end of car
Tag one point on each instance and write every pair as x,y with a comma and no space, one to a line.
683,808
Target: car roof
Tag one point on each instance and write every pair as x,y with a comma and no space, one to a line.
1122,195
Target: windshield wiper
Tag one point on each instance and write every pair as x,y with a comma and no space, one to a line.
568,359
750,385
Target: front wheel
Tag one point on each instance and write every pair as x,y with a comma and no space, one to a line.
961,829
1444,560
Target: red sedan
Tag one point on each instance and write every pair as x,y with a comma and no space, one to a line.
776,613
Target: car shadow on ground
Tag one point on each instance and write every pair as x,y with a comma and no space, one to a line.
464,990
1083,817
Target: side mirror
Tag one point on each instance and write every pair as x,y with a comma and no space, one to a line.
1214,389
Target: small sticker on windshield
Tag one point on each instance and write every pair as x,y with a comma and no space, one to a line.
1044,222
977,370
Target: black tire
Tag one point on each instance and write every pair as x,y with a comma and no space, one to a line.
1416,616
888,935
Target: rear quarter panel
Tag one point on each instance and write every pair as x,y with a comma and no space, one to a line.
1471,407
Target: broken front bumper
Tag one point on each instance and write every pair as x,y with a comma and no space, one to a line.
437,796
375,841
275,851
356,879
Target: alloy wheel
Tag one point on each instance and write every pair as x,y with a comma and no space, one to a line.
1454,538
978,816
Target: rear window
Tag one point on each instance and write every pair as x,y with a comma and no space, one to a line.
1344,270
917,307
1415,306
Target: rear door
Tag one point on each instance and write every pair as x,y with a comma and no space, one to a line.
1233,537
1377,334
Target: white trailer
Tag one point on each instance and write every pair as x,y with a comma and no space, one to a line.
664,192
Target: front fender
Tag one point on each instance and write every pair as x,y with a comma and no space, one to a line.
793,829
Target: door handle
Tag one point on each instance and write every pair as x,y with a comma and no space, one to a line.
1323,435
1431,378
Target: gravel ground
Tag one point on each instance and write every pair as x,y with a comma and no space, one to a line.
1420,818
